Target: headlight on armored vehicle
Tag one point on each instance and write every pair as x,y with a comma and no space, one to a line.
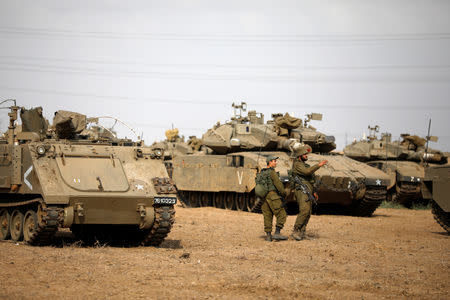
138,153
157,152
40,150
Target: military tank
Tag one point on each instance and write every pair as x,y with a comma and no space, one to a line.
65,176
436,188
402,160
175,145
225,178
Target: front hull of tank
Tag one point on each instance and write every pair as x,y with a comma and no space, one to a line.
407,177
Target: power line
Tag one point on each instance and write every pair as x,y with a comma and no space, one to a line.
219,66
51,33
110,97
340,134
26,67
142,100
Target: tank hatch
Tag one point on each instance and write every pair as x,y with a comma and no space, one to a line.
93,174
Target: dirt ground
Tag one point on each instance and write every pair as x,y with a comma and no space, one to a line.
214,253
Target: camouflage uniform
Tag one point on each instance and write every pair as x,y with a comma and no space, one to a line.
306,174
273,204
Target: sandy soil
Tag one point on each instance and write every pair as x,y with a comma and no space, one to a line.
214,253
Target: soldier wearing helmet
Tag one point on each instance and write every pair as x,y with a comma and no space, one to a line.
305,174
273,205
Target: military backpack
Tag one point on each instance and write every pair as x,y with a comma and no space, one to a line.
263,182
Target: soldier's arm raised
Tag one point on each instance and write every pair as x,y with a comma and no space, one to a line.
301,169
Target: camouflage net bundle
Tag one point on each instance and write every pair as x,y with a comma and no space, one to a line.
33,121
413,142
286,123
68,123
172,135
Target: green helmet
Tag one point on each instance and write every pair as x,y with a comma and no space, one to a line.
270,157
302,151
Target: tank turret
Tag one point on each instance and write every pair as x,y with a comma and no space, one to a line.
250,133
411,148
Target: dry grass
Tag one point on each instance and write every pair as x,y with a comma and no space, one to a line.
213,253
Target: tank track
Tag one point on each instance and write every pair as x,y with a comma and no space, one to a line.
442,217
406,192
164,219
372,199
50,219
252,203
218,199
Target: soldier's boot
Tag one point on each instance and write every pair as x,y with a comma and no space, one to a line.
277,236
297,234
268,236
303,233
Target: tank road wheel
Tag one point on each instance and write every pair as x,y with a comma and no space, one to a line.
251,202
193,199
229,200
5,218
241,201
218,200
205,199
16,225
184,199
254,203
30,226
372,199
258,204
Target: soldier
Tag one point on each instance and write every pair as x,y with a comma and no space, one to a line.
273,204
303,184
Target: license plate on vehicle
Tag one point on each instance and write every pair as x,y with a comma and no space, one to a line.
165,200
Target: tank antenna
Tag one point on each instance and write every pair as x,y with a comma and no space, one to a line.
12,119
386,146
396,154
260,147
428,139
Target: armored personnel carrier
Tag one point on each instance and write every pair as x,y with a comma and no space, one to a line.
226,177
402,161
104,189
436,188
